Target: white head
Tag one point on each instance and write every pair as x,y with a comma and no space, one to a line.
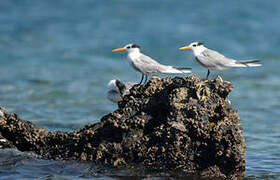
129,48
115,90
197,47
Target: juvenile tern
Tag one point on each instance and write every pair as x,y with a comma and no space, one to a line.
117,90
146,65
213,60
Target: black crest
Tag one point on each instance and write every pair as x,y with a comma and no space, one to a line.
135,46
200,43
121,86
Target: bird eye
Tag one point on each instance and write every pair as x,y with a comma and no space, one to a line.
194,45
128,47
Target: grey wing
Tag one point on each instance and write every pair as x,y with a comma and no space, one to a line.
147,65
129,85
147,60
214,60
205,62
217,57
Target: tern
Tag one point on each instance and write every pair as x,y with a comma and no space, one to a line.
213,60
117,90
146,65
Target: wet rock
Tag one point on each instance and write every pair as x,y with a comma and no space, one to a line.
4,143
173,125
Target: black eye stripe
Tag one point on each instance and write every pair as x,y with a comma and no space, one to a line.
128,47
135,46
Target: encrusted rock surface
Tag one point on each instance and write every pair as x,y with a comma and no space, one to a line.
173,125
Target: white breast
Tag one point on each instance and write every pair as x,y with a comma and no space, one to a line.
198,50
133,55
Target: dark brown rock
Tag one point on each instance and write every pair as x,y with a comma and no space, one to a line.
174,125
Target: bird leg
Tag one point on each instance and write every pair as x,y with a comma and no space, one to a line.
208,74
146,78
141,78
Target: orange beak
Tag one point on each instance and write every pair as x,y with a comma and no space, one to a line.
119,49
185,47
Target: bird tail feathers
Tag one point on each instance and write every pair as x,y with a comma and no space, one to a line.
247,63
183,69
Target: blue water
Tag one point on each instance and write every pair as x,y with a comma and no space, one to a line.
56,60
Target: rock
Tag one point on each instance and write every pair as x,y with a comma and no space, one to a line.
4,143
173,125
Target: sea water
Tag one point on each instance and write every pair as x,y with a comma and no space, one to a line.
56,60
